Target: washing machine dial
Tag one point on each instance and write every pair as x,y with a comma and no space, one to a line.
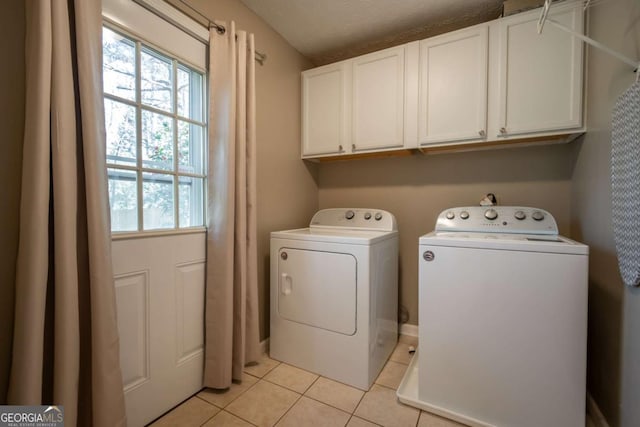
378,216
367,216
464,215
491,214
349,214
520,215
537,215
450,215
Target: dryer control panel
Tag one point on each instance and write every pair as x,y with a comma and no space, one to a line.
497,219
356,218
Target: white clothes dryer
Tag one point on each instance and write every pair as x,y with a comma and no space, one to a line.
502,320
334,294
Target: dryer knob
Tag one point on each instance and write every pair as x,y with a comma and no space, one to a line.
491,214
464,215
450,215
349,214
378,216
537,215
520,215
367,215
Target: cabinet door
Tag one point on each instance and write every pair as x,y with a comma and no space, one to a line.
540,74
453,87
378,100
325,112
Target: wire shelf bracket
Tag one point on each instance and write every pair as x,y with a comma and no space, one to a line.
544,19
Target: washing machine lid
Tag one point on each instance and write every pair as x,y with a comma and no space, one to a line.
357,226
506,241
335,235
501,227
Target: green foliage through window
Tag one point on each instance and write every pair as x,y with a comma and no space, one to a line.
154,118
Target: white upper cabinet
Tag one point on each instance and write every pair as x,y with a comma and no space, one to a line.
325,110
378,100
453,87
494,82
540,83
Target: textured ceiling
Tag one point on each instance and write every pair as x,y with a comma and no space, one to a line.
330,30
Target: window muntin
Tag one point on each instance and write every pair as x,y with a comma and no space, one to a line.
156,137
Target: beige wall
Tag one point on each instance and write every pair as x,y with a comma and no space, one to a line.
11,127
614,311
287,189
416,189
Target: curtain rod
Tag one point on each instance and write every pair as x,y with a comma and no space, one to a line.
207,23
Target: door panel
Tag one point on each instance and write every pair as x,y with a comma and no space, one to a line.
159,284
132,303
324,116
541,75
318,289
378,100
453,87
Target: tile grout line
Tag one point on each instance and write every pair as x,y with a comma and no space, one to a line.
297,400
331,406
237,397
287,411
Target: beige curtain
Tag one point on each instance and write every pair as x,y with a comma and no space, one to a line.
231,310
65,348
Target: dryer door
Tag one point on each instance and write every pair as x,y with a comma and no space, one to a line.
318,289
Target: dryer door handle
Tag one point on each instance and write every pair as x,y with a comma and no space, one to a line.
286,283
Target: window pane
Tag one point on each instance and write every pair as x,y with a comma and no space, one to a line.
158,201
123,199
156,81
118,65
190,148
190,94
184,88
191,197
120,123
157,141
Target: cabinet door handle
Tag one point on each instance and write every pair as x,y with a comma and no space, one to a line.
340,150
503,131
482,133
353,147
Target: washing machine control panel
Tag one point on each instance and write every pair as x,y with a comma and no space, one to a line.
497,219
364,219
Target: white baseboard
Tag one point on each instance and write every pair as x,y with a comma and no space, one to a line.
264,346
407,329
596,414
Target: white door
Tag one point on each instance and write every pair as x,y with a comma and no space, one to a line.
378,100
160,304
325,109
540,74
453,87
154,92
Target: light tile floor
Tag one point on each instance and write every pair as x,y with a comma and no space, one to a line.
276,394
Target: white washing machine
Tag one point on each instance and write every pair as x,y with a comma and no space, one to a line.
334,294
502,320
